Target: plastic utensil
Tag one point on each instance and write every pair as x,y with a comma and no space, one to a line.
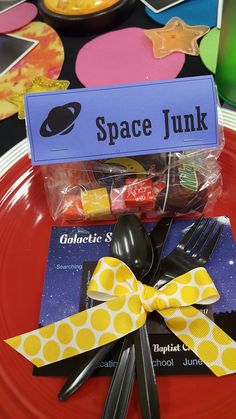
158,238
131,244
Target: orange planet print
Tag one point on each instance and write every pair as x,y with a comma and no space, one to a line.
78,7
46,59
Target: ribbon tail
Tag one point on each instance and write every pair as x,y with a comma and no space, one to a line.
209,342
79,333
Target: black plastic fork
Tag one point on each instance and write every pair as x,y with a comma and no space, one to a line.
195,249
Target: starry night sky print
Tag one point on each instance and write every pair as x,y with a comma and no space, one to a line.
62,286
64,270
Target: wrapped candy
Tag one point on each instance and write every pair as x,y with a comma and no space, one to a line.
165,184
139,193
95,202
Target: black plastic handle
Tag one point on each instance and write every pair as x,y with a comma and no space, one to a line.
117,401
158,236
147,388
133,355
80,375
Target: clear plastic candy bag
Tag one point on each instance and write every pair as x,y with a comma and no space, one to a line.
166,184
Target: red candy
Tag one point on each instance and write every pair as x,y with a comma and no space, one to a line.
157,187
139,192
73,208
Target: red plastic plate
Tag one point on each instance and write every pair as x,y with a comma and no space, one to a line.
24,237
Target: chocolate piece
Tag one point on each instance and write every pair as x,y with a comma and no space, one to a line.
182,196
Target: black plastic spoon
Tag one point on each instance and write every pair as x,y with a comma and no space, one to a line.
85,369
132,245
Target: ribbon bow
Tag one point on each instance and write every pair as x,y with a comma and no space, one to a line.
127,303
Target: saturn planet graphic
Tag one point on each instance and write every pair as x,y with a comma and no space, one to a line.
60,120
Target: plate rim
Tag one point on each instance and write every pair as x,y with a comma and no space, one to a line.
13,155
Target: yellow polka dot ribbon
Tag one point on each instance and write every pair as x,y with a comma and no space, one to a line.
127,303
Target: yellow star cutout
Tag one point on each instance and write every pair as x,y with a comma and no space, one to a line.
39,84
175,36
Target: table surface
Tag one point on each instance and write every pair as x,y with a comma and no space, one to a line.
12,130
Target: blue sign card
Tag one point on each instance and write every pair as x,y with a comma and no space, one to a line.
124,120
